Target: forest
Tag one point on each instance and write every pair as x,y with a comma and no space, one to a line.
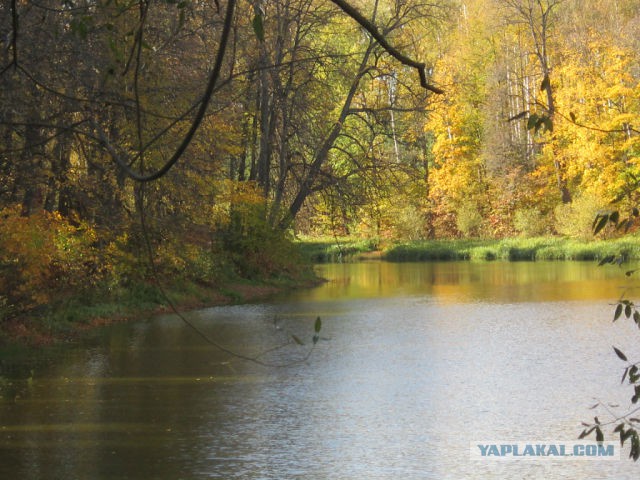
529,126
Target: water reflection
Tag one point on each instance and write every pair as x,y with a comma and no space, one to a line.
422,359
468,282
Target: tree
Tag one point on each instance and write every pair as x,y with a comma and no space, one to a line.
245,100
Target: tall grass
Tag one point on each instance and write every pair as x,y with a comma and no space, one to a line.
515,249
332,250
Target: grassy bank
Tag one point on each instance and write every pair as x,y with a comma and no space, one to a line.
330,250
514,249
76,316
517,249
59,276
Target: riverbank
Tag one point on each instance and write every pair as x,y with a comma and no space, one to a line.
60,276
70,317
74,318
513,249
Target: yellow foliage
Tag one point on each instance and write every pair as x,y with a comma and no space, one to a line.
235,198
43,254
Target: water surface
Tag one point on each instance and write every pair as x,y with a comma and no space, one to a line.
415,361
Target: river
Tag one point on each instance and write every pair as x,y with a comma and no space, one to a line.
415,364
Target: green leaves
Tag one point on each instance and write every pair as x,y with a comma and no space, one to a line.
607,259
629,309
537,122
632,434
600,222
586,433
636,395
613,217
620,355
81,26
618,312
635,446
317,326
546,83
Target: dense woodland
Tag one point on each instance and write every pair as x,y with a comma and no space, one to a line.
312,128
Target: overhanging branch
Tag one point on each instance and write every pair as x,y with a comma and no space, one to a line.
200,115
382,41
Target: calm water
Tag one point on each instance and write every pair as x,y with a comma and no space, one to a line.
415,362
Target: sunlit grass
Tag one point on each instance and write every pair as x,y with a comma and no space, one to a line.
336,249
516,249
330,250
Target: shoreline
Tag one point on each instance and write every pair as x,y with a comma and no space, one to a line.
71,319
34,331
550,248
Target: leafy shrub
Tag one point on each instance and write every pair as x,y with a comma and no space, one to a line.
529,222
407,222
255,247
575,219
42,256
469,219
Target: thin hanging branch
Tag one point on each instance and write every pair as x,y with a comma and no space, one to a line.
14,37
200,114
380,38
215,74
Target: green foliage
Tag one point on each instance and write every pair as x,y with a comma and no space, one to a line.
603,218
316,329
538,122
517,249
529,222
42,257
258,25
430,251
407,222
241,232
627,425
49,264
337,249
469,220
258,250
575,219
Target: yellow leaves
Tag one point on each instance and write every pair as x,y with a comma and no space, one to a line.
42,254
237,198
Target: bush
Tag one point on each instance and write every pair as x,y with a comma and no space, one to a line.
43,256
575,219
407,222
469,219
529,222
254,246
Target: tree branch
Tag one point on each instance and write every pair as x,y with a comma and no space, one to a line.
14,35
382,41
200,115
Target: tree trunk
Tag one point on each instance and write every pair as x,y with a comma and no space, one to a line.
323,151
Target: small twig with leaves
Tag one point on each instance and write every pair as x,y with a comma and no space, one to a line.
625,420
626,424
613,217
